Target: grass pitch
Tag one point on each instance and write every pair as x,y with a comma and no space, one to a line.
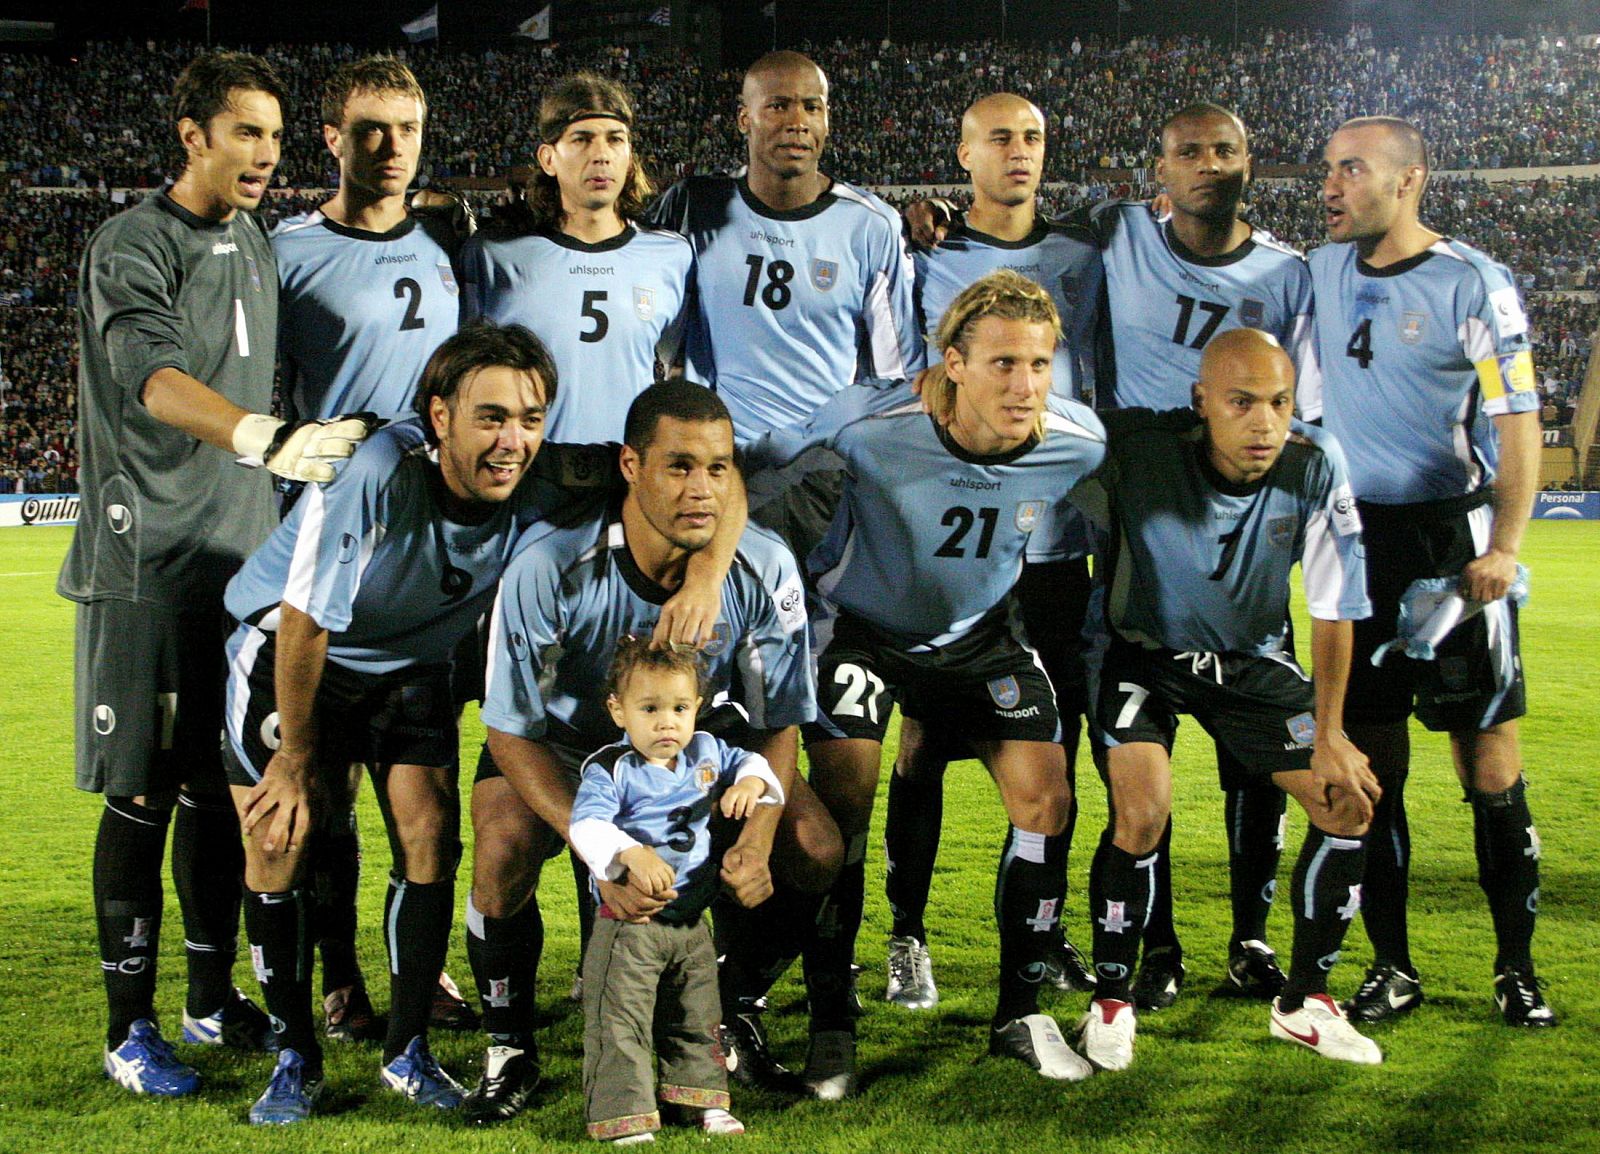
1206,1078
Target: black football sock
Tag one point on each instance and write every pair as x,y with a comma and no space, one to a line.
207,872
1327,894
1387,881
418,933
336,879
910,846
1159,932
756,946
1508,869
504,954
127,901
828,957
1255,817
279,928
580,878
1121,891
1029,890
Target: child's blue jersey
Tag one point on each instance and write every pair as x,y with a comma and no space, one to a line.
927,538
794,305
1197,564
572,591
360,313
1166,303
1418,358
624,800
608,312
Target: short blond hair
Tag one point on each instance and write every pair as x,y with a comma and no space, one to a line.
1003,293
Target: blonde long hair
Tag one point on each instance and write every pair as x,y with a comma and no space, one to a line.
1003,293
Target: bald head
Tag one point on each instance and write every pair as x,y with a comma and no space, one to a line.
779,64
1244,354
1245,396
998,107
1400,140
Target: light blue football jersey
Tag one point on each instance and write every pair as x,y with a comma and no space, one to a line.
791,306
1166,303
927,538
1418,359
572,591
372,558
608,312
1200,565
666,807
1064,259
360,313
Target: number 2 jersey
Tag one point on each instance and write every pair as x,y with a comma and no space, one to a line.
928,538
1197,564
793,305
1418,357
360,313
1165,303
607,312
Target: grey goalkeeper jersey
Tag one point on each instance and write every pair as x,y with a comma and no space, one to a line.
166,519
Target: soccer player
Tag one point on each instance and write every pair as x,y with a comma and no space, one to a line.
644,809
574,590
1003,148
366,294
800,278
915,581
177,319
347,618
1431,389
1199,624
606,293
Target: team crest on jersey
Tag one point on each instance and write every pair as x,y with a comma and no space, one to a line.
824,274
1411,326
447,277
1302,728
644,303
717,644
255,273
705,775
1005,692
1280,531
1028,513
1252,313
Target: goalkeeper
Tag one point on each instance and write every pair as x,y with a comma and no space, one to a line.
177,320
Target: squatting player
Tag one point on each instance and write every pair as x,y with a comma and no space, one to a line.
1431,390
177,320
1210,508
605,292
1003,149
366,293
915,604
575,589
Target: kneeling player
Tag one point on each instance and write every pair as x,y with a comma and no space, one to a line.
1208,513
916,577
348,616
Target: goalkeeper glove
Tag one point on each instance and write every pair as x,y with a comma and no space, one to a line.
300,450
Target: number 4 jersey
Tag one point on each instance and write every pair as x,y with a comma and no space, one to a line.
360,313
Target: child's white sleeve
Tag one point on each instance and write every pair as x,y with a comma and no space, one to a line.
599,844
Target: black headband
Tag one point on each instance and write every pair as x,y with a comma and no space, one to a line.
553,133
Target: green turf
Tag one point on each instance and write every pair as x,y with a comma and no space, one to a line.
1207,1078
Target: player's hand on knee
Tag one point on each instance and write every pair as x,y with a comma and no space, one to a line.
1489,578
1342,772
747,875
629,903
300,450
281,799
